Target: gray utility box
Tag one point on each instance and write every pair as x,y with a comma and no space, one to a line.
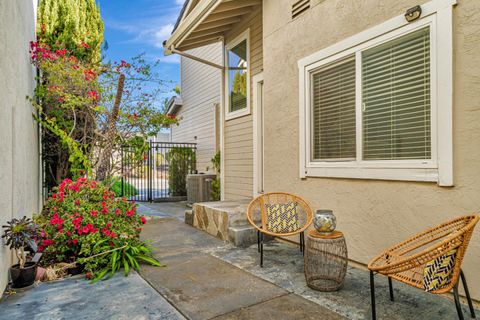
199,187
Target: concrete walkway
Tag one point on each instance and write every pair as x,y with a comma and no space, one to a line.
76,299
202,286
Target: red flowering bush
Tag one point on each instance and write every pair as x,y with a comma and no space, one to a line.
79,215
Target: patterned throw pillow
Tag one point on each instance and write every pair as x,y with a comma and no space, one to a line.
282,218
437,273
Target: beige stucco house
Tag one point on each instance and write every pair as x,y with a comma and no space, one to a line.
19,146
392,145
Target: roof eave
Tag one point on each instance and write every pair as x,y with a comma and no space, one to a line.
186,26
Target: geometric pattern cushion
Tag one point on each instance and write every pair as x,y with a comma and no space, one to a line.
282,218
438,272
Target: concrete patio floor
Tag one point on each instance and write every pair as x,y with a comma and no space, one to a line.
75,298
206,278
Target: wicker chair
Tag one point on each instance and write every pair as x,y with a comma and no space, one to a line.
257,216
406,261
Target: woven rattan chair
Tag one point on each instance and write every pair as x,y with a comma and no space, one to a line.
406,261
257,216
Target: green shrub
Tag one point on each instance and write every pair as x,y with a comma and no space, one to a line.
182,161
128,189
216,186
81,214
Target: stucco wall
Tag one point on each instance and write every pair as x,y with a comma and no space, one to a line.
19,178
200,91
372,214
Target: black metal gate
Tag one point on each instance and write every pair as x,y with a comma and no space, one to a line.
159,173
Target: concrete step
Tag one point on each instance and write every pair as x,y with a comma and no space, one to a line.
242,235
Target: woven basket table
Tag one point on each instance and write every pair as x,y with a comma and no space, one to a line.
326,261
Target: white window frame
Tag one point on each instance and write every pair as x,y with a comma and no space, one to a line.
436,14
245,111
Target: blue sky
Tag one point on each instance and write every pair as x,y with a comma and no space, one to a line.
140,26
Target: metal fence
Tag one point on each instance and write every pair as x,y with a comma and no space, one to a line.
158,174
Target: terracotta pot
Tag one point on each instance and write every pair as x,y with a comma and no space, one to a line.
40,274
23,277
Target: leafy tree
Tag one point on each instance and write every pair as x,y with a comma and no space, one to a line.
239,84
93,112
75,25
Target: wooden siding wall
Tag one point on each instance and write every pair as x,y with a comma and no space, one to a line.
200,91
238,132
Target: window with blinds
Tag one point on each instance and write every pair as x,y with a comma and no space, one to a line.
396,99
395,110
334,112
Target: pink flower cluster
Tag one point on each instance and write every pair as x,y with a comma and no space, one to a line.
56,220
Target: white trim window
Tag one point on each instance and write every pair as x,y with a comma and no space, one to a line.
237,77
371,106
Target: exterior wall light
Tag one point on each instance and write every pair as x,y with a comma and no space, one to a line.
413,14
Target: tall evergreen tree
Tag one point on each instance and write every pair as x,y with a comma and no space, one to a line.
75,25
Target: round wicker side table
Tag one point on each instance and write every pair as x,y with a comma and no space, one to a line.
326,261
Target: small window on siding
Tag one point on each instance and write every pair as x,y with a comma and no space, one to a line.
237,77
396,99
334,112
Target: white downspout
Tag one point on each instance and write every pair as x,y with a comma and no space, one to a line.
222,125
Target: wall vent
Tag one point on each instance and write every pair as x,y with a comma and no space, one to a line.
300,7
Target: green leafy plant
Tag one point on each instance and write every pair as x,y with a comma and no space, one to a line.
216,186
79,215
20,233
181,161
123,255
116,186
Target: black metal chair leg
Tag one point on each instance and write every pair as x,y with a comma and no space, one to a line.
372,295
258,240
300,237
303,243
390,287
457,302
261,250
467,293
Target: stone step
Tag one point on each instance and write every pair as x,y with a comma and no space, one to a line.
225,220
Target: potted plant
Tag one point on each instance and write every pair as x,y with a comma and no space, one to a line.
20,234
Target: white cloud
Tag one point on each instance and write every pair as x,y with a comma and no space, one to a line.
174,58
163,33
179,2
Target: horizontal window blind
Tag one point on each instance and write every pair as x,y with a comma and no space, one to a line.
396,99
333,103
